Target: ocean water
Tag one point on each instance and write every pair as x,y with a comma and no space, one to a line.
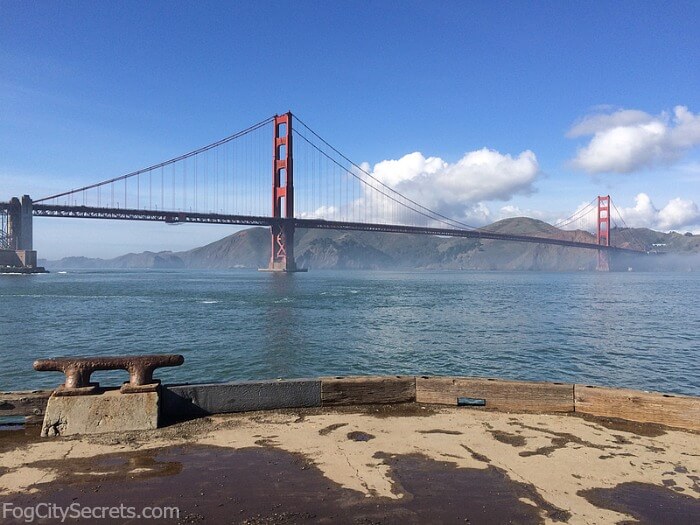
635,330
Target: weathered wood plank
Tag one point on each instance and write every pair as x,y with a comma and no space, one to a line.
507,396
646,407
367,390
24,403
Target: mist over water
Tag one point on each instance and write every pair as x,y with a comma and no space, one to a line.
634,330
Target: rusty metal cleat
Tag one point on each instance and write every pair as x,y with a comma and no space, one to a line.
79,369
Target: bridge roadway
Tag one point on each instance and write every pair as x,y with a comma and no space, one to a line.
175,217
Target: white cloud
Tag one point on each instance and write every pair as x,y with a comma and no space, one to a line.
459,189
408,168
594,123
627,140
478,215
322,212
643,214
676,214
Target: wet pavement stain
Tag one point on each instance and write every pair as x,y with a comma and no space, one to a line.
15,436
633,427
330,428
559,440
468,495
267,485
508,438
266,442
441,431
446,455
557,443
476,455
696,482
282,518
141,464
621,440
647,503
652,448
378,411
616,455
359,436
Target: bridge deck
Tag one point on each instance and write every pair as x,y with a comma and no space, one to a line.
175,217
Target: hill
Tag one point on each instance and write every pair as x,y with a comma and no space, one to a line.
327,249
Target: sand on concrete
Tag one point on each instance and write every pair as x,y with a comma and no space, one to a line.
562,457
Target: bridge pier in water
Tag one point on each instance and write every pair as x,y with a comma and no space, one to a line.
282,232
603,236
17,253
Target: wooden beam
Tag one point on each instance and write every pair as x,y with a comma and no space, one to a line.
508,396
646,407
367,390
30,403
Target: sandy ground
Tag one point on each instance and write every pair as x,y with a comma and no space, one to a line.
559,468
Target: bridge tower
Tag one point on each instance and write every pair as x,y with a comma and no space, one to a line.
19,224
282,255
603,232
16,248
13,223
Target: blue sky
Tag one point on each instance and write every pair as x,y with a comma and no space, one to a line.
605,95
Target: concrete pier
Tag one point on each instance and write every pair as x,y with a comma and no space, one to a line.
391,449
19,255
107,411
196,400
401,463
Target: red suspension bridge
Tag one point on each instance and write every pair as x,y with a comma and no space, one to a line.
313,186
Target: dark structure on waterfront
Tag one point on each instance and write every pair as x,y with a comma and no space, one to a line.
17,254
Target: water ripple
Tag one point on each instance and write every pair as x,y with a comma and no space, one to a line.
628,329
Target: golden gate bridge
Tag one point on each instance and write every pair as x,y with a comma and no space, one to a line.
313,185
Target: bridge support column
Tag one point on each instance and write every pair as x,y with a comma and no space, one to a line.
603,233
19,224
14,223
282,257
26,236
282,253
18,252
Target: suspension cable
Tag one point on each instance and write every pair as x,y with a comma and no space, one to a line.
165,163
390,197
574,216
629,230
389,188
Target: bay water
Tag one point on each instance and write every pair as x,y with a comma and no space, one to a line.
637,330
